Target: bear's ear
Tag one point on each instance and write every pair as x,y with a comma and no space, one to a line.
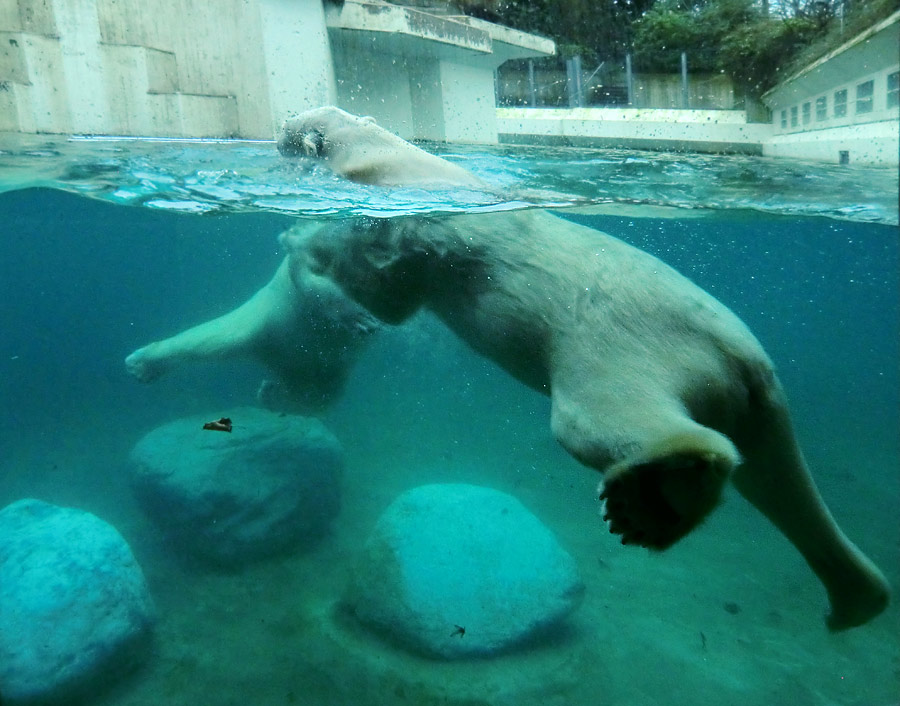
369,120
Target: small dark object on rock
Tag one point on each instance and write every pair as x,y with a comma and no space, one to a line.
731,607
460,630
223,424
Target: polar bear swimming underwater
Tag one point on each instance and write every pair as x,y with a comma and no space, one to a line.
653,382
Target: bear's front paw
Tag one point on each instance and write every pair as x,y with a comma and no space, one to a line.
144,366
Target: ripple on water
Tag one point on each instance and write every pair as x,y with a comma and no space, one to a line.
239,176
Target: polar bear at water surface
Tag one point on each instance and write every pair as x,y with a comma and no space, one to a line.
359,150
653,382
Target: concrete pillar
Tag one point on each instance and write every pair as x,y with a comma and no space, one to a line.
532,89
426,100
629,80
468,104
378,85
297,54
453,102
82,66
573,82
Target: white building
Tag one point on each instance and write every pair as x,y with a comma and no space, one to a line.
845,107
237,68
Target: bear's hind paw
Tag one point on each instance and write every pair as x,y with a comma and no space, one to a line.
654,503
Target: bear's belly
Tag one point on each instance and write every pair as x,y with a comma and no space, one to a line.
499,332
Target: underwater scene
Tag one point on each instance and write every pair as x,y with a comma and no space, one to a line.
398,519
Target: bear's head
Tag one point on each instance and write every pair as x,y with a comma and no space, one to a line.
314,133
377,262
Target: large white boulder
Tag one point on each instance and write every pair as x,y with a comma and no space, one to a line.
74,606
270,485
460,570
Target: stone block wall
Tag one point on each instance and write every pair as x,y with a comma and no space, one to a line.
167,68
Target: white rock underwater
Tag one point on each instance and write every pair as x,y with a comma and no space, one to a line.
74,605
271,485
455,571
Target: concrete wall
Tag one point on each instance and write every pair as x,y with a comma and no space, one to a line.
422,76
690,130
705,91
420,98
846,104
871,143
810,125
166,68
238,68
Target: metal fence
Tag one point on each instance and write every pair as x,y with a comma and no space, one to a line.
557,82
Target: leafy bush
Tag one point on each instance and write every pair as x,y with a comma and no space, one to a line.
754,54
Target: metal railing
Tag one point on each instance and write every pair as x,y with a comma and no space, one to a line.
614,82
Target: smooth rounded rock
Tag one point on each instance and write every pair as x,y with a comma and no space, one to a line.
74,606
270,485
460,570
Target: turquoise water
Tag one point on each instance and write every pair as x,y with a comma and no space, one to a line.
107,246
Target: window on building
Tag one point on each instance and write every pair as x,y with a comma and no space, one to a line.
807,113
864,97
821,109
893,89
840,103
794,116
783,118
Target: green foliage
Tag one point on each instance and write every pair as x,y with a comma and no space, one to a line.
860,15
731,36
662,34
591,28
754,54
698,28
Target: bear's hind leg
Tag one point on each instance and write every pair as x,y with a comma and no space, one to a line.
776,480
663,472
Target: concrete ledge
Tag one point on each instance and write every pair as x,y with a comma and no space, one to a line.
691,130
397,22
510,43
870,143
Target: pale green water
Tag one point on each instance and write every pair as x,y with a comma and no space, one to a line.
729,616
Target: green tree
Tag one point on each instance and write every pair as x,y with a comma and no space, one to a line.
736,37
754,54
594,29
696,27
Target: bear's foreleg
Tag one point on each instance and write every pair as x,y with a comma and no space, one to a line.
231,335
